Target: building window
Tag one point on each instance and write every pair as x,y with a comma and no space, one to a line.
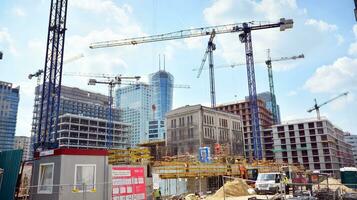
45,178
84,177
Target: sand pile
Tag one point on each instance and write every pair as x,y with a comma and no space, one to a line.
235,188
334,184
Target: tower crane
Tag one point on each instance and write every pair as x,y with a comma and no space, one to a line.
38,75
271,81
209,52
245,37
270,76
51,87
111,84
317,107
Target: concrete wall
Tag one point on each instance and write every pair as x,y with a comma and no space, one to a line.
64,176
67,177
35,176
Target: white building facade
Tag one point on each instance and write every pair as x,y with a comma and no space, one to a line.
23,142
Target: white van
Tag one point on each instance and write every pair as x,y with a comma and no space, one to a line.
268,183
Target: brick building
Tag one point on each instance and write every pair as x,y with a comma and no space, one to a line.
242,108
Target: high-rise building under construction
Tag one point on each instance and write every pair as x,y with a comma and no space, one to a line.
80,103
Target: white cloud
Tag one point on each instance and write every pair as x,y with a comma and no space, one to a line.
321,25
340,39
195,43
107,8
353,47
292,93
305,37
19,12
7,41
339,76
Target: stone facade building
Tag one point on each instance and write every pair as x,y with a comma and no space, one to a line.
191,127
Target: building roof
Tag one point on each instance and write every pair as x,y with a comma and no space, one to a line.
197,107
236,102
92,118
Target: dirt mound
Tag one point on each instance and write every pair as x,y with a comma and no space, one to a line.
334,184
235,188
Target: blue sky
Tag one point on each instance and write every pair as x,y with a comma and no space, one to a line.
324,30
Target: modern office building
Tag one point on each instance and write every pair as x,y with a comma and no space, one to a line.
78,102
352,140
135,103
191,127
156,130
162,92
161,83
242,109
76,131
9,101
23,142
315,144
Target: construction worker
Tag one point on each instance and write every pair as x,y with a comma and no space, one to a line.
286,183
243,172
157,194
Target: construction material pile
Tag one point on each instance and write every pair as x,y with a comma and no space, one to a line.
235,188
333,184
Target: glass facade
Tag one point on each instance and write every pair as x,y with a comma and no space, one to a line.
156,130
266,97
162,92
9,101
135,102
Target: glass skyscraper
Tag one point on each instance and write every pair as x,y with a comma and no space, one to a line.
135,102
9,101
162,93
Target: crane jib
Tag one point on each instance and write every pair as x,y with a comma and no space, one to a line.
195,32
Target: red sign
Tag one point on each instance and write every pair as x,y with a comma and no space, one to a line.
128,183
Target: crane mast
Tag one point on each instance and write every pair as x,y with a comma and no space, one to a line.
245,38
51,87
209,52
271,88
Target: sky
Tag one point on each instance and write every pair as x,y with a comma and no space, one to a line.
325,31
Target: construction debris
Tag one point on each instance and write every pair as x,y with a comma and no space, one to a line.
333,184
235,188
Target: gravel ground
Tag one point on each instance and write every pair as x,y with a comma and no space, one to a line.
246,197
